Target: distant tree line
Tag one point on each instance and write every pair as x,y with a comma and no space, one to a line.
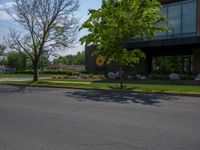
21,62
78,59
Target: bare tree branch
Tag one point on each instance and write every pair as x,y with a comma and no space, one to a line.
48,25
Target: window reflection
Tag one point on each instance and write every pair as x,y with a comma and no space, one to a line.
181,18
174,19
189,17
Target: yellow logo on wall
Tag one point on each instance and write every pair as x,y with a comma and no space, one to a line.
100,61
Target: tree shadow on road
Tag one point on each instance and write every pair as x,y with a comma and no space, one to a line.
9,89
119,97
23,87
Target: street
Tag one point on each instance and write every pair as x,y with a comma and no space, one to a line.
68,119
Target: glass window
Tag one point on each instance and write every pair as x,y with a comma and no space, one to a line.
189,17
174,19
181,19
164,12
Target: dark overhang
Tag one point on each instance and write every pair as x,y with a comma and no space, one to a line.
170,1
164,43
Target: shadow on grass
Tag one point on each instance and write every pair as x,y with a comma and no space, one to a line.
119,97
106,81
117,87
131,88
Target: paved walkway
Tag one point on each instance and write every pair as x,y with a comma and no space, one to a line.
15,79
20,79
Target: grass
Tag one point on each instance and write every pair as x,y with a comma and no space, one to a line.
58,77
147,82
115,86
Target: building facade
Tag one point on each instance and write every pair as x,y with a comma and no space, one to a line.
183,42
6,69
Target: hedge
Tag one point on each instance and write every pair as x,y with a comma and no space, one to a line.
63,72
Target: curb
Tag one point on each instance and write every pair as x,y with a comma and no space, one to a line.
101,89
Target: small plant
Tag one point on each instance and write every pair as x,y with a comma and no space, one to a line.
84,76
186,77
64,72
153,76
163,77
138,76
65,77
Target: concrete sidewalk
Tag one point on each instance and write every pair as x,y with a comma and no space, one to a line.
21,79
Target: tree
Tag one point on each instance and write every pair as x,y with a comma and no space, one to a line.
61,60
17,60
78,59
118,22
2,49
49,25
2,54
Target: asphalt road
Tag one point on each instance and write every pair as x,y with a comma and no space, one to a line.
63,119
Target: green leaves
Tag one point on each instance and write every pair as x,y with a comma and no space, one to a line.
118,22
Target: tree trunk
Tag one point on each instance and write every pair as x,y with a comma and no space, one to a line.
35,71
121,78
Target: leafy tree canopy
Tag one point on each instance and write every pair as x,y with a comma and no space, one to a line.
17,60
78,59
118,22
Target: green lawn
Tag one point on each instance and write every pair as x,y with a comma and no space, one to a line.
151,82
115,86
59,77
191,87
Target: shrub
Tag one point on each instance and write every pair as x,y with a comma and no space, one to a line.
84,72
65,77
138,76
186,77
163,77
153,76
84,76
64,72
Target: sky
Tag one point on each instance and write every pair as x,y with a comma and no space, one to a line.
6,22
